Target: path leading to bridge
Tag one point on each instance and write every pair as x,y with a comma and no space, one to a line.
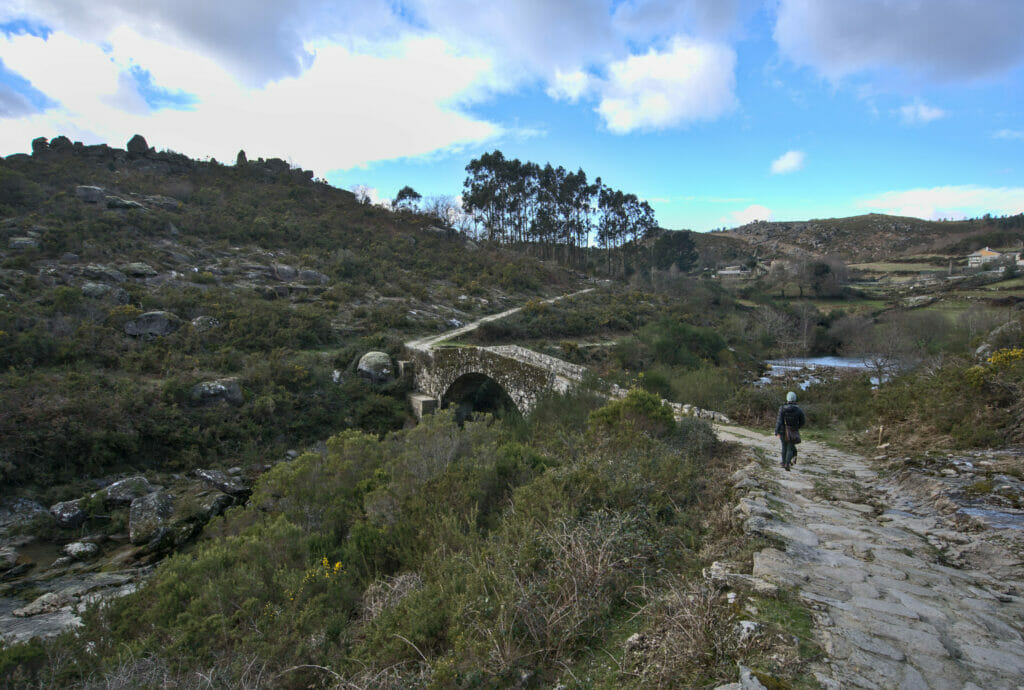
431,341
906,593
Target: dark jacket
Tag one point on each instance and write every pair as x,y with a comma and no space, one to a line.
789,414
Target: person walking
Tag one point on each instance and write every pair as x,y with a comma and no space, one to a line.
787,428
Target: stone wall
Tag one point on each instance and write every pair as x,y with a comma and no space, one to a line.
524,378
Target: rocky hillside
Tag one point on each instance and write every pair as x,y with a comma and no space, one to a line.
876,237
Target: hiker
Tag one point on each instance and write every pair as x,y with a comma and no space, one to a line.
787,428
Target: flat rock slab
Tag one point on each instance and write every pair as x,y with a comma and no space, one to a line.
892,610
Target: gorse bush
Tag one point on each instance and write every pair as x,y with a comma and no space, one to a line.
458,553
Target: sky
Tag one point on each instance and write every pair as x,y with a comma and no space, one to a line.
717,112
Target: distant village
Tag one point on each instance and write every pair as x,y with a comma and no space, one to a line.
982,259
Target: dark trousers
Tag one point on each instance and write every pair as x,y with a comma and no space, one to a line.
788,453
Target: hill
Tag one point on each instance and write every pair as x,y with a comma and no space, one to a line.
874,237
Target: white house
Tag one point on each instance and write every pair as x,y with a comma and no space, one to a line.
982,256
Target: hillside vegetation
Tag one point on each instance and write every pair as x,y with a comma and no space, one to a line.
163,319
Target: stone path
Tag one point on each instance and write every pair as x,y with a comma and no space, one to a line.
874,564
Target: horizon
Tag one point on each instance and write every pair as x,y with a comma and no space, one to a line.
716,113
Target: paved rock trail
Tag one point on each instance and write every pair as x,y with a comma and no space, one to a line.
874,563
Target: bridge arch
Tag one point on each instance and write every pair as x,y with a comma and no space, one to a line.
477,392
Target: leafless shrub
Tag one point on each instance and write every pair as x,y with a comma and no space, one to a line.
385,594
691,628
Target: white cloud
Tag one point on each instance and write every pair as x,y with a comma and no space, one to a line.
790,161
940,39
347,109
569,86
920,114
751,213
1010,134
692,80
957,201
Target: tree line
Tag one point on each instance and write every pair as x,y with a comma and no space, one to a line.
552,210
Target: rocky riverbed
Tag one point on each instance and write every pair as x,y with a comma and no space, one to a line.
913,568
55,561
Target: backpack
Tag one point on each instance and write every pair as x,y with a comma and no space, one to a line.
791,425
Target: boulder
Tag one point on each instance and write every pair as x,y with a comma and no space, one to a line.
18,513
312,277
214,504
61,143
47,603
166,203
284,272
205,323
147,515
81,550
69,258
152,324
8,558
96,290
139,269
375,366
124,491
137,145
40,145
227,390
233,486
23,243
104,273
68,513
119,202
89,194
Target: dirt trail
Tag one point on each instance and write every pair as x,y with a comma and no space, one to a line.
429,342
901,597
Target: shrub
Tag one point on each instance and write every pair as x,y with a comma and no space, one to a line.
639,410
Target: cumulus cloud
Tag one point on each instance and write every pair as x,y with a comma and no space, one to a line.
691,80
940,39
321,119
790,161
960,201
920,113
570,86
751,213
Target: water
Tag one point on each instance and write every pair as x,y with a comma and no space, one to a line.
817,369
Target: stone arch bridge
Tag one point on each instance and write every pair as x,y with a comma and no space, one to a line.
449,374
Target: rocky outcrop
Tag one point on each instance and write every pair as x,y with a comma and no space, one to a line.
47,603
137,145
309,277
124,491
221,390
89,194
148,515
102,290
23,243
138,269
153,324
81,550
205,323
233,486
103,273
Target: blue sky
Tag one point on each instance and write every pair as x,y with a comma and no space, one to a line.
716,111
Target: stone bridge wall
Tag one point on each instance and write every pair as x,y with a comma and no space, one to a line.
436,369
